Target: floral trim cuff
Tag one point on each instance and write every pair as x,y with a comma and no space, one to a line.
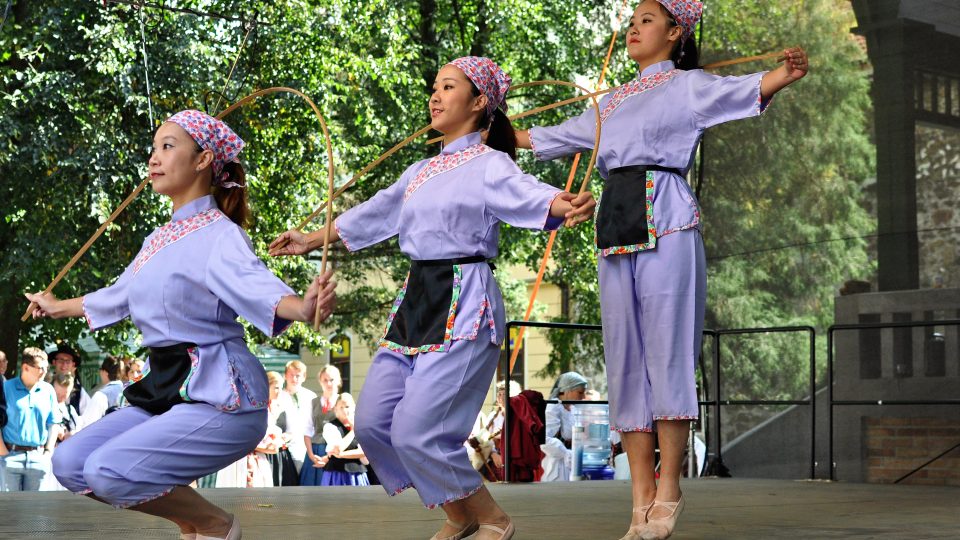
645,429
657,418
278,324
125,505
457,498
86,314
346,244
762,104
533,146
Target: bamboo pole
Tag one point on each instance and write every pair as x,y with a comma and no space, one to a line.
86,246
76,257
553,234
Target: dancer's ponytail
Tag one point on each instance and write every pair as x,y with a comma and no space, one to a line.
501,135
233,201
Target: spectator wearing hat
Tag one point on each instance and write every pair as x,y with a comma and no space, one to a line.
33,424
66,360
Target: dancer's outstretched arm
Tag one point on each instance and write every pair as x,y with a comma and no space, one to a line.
795,67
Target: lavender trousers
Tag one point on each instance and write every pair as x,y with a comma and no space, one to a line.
415,412
652,306
130,456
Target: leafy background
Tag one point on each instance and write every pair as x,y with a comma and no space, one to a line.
75,132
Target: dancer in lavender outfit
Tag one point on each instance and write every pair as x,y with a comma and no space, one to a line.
442,340
201,402
652,267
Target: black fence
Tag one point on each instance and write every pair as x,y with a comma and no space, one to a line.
715,388
879,402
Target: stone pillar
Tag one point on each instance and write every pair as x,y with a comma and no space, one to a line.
890,44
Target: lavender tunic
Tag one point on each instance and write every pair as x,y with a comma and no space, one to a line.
656,119
189,282
418,406
450,206
653,295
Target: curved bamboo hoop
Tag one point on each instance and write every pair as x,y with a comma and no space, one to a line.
724,63
420,132
546,255
86,246
541,271
596,108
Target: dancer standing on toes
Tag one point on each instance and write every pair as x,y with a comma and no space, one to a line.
442,342
652,270
201,402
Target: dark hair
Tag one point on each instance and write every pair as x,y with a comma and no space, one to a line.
233,201
114,367
685,53
500,133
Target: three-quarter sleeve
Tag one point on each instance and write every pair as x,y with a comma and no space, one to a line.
515,197
243,282
109,305
716,99
376,219
570,137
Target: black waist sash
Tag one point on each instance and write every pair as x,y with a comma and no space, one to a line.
622,218
159,390
421,318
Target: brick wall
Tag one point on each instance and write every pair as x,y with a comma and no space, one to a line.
895,446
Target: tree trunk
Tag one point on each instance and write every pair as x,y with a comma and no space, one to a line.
428,39
482,38
10,326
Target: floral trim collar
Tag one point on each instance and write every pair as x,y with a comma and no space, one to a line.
438,165
635,87
173,232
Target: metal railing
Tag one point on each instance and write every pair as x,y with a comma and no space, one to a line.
874,402
717,402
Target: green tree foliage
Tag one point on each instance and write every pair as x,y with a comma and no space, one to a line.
777,190
75,133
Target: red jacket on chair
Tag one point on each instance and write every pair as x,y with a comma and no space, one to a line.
526,433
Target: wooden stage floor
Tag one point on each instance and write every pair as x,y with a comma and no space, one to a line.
716,509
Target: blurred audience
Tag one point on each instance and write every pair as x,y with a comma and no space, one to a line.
107,396
302,398
66,360
283,467
558,458
321,413
344,463
33,424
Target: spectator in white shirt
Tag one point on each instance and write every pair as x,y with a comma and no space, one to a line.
295,374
